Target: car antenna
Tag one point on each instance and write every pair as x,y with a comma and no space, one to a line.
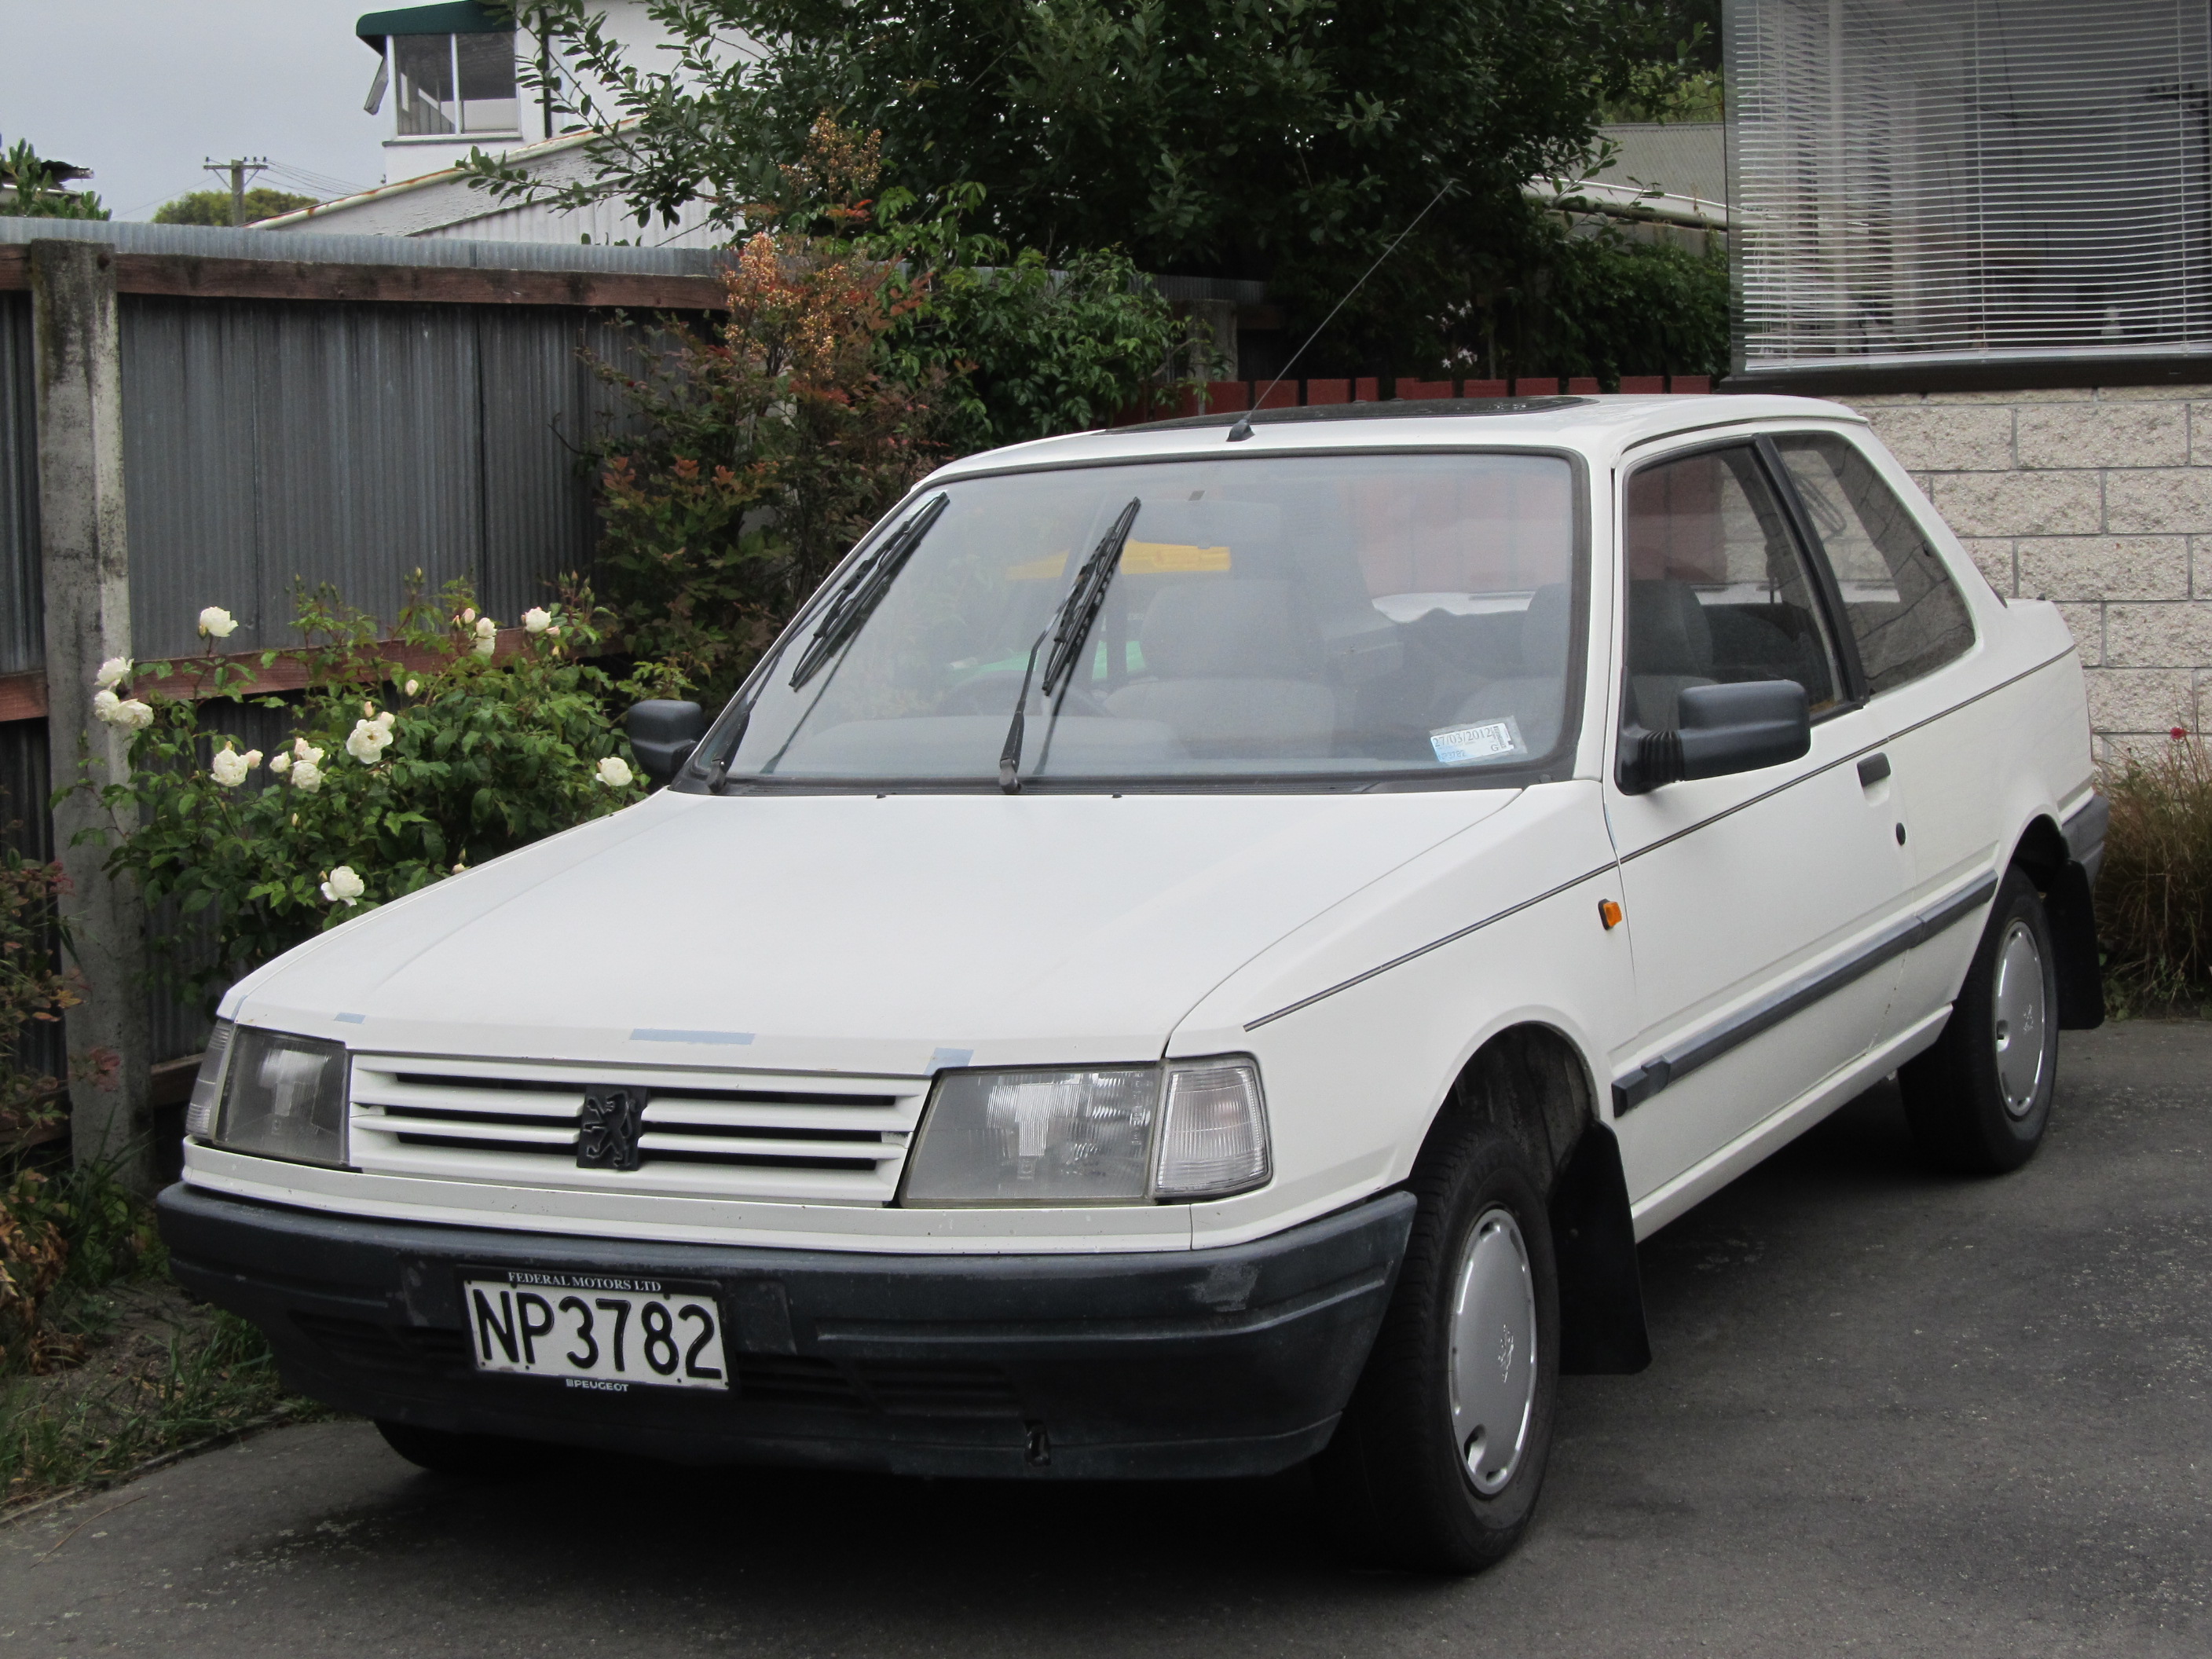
1243,429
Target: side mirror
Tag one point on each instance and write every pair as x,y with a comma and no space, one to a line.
663,732
1720,730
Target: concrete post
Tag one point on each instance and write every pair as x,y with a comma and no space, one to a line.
87,568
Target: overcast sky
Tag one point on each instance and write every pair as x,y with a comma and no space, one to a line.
141,91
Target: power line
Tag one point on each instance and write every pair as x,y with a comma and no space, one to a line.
238,167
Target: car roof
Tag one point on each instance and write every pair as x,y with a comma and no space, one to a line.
1599,428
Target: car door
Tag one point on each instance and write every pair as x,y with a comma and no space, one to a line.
1913,633
1751,899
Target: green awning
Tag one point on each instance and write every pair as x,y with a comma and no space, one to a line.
454,17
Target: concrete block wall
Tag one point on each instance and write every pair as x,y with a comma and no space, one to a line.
2098,499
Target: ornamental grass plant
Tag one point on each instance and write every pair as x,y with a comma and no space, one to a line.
2154,894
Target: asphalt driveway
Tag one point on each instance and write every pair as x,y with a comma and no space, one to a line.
1889,1413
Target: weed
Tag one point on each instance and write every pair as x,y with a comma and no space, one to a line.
2154,895
217,1376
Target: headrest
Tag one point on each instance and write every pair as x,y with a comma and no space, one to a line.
1668,632
1544,631
1212,629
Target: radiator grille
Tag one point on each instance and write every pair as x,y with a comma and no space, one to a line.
718,1135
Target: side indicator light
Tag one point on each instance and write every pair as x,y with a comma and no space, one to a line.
1609,913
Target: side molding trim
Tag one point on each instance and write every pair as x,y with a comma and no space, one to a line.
1632,1089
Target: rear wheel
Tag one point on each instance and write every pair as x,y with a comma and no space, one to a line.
1438,1463
1979,1101
443,1452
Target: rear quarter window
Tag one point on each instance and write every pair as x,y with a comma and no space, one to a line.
1902,607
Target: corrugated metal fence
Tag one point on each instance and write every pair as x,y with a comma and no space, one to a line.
279,430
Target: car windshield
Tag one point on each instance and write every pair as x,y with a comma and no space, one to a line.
1314,615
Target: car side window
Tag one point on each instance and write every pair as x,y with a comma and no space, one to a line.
1899,603
1718,589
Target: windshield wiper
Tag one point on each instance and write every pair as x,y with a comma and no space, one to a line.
1069,627
863,589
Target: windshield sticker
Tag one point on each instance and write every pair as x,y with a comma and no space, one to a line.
1163,558
1138,559
1492,740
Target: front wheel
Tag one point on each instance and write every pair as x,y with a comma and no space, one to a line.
1979,1101
1438,1463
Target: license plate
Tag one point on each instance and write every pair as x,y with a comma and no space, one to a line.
603,1331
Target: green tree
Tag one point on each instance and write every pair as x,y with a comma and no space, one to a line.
31,187
212,207
1287,140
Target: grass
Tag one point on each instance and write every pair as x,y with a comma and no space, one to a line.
107,1365
214,1378
2154,895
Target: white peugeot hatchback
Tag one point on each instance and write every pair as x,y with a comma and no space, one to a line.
1202,948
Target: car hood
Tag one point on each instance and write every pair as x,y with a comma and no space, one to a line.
845,932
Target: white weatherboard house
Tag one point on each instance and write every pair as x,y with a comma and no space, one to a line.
455,77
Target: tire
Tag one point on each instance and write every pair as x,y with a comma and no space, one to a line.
478,1457
1979,1101
1417,1476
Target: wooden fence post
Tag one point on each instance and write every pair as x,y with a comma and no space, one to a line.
86,566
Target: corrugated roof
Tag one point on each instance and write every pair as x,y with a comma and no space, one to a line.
228,243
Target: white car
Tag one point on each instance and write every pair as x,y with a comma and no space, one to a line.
1203,948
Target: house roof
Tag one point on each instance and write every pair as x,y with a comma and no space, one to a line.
453,17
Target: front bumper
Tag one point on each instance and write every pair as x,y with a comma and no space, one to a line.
1159,1365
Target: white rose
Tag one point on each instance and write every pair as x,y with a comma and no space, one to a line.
413,686
113,672
302,750
217,622
229,768
343,887
468,616
307,775
537,619
370,738
133,715
282,764
105,702
615,773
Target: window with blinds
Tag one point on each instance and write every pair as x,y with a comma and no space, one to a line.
1969,181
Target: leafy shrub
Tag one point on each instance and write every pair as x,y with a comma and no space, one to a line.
866,337
63,1235
35,989
395,777
762,452
2154,894
1024,351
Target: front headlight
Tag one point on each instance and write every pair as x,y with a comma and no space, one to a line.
281,1097
1104,1135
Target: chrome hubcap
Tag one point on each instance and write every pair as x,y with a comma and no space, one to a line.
1494,1352
2020,1022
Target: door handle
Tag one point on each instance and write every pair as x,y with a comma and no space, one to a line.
1872,770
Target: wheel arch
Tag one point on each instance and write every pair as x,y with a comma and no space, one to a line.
1531,1084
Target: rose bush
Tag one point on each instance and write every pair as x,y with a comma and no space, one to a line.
397,774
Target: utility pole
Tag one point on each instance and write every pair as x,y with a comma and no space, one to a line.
238,168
